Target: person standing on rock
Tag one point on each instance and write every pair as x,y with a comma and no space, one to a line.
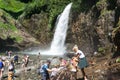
82,60
9,54
25,62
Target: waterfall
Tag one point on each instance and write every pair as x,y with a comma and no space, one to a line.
58,42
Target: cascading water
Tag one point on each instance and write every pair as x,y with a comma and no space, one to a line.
58,42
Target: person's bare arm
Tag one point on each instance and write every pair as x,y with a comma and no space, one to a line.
49,70
76,60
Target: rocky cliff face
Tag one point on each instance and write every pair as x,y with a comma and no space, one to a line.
37,26
93,30
13,36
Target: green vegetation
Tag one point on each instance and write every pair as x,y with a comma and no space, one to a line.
26,8
8,28
101,2
102,5
12,5
7,22
6,16
104,12
36,6
101,49
117,27
118,60
53,8
17,38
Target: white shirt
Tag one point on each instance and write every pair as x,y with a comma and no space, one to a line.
81,54
54,71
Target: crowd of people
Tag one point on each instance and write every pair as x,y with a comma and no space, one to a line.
78,61
8,63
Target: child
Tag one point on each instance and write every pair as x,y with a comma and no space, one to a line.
74,63
11,70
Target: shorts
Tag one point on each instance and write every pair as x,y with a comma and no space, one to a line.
82,63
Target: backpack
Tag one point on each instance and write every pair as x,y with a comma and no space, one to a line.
41,69
1,65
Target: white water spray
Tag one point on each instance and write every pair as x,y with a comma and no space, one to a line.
58,42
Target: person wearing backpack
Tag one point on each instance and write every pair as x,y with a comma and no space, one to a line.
44,70
11,70
1,68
